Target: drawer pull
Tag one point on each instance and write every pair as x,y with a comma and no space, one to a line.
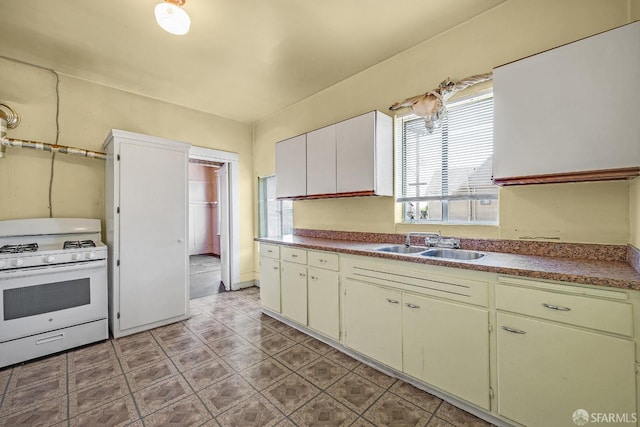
393,301
313,278
294,256
412,305
50,339
513,331
270,251
275,268
322,261
302,275
556,307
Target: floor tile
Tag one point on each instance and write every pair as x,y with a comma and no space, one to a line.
255,332
161,394
323,411
228,345
296,357
342,359
150,374
225,394
88,398
391,411
91,375
207,374
323,372
144,357
134,343
171,332
438,422
274,344
265,373
35,372
181,345
215,332
290,393
375,376
48,412
119,412
184,413
355,392
24,398
317,345
245,357
458,417
361,422
295,335
255,412
420,398
193,358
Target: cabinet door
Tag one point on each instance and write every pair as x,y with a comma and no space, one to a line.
373,322
321,161
153,232
293,289
355,154
324,302
291,167
586,125
447,345
270,283
547,371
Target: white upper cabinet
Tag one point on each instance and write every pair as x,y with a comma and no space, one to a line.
570,113
291,167
321,161
350,158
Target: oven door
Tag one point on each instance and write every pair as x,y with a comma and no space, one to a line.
42,299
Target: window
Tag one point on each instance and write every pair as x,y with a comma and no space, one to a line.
446,176
276,216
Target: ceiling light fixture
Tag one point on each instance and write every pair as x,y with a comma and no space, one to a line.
172,18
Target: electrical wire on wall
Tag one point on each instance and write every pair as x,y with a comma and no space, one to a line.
53,154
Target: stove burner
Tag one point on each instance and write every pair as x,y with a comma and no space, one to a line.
16,249
77,244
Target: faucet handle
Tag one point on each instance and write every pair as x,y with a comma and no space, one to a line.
432,239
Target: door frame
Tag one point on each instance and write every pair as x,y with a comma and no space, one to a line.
229,224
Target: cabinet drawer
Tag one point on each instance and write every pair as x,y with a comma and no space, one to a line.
600,314
293,255
323,260
270,251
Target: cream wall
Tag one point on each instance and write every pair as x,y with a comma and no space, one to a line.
586,212
634,212
87,112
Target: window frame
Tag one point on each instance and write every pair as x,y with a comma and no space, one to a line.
285,222
444,197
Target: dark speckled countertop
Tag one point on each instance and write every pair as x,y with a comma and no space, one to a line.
601,272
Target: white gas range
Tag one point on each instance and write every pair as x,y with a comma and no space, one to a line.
53,286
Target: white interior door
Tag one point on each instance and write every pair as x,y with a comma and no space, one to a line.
153,234
223,223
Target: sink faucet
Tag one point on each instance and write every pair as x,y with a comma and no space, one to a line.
431,239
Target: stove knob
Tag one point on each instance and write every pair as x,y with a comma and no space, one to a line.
17,262
49,258
76,257
91,255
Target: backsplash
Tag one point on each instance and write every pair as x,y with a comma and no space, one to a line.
521,247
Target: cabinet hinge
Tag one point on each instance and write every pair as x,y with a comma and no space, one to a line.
118,157
490,327
118,315
118,263
118,210
491,393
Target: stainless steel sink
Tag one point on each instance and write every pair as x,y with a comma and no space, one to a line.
402,249
457,254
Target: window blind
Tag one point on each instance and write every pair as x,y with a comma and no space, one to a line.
452,163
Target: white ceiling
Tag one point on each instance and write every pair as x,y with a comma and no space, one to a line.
242,59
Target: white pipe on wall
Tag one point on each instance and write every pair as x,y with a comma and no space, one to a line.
43,146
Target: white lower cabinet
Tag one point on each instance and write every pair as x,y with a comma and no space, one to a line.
547,371
373,322
323,287
270,283
447,345
293,291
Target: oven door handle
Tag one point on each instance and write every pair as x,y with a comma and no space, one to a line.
48,269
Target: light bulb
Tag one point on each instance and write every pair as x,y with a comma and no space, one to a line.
172,18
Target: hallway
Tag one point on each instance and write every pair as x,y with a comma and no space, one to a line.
204,276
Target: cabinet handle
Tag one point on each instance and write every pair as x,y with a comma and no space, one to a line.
275,268
555,307
313,278
294,256
393,301
270,251
412,305
513,331
302,275
322,261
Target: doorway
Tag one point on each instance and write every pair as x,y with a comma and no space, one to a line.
205,276
213,226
